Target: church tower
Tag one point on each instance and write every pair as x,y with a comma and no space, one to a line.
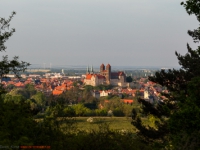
102,68
108,73
92,70
87,72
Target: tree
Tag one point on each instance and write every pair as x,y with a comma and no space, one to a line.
5,35
80,109
30,89
127,110
88,88
184,125
6,66
18,91
10,87
39,98
181,105
16,123
129,79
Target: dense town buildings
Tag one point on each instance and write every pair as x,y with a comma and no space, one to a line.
58,83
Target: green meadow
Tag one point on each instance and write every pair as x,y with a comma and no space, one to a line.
114,123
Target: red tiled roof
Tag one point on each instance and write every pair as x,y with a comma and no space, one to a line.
60,88
109,91
121,73
64,85
57,92
38,86
88,76
19,84
128,101
104,91
43,80
68,88
3,82
68,83
11,82
100,76
117,73
150,82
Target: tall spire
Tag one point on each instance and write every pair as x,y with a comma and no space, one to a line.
92,71
88,70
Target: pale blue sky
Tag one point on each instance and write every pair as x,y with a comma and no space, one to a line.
82,32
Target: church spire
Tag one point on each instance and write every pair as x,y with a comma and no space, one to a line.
92,71
88,72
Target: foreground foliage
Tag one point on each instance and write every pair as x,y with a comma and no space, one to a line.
17,127
177,118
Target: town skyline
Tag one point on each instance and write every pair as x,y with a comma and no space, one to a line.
50,66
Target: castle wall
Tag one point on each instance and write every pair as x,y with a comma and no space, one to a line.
114,81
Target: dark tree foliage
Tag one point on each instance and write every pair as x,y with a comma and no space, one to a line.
6,66
15,119
129,79
103,87
17,126
192,7
4,34
184,125
172,112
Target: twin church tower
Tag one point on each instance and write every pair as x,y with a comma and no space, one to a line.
105,76
104,71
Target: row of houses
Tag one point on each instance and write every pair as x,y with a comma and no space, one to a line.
119,92
46,85
57,86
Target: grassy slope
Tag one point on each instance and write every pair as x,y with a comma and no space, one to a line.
115,123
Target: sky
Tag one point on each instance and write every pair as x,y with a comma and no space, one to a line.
92,32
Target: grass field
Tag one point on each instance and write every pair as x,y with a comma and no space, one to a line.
115,123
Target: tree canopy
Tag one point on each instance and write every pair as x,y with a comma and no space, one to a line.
178,116
6,66
129,79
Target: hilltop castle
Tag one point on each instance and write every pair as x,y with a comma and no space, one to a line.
105,76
